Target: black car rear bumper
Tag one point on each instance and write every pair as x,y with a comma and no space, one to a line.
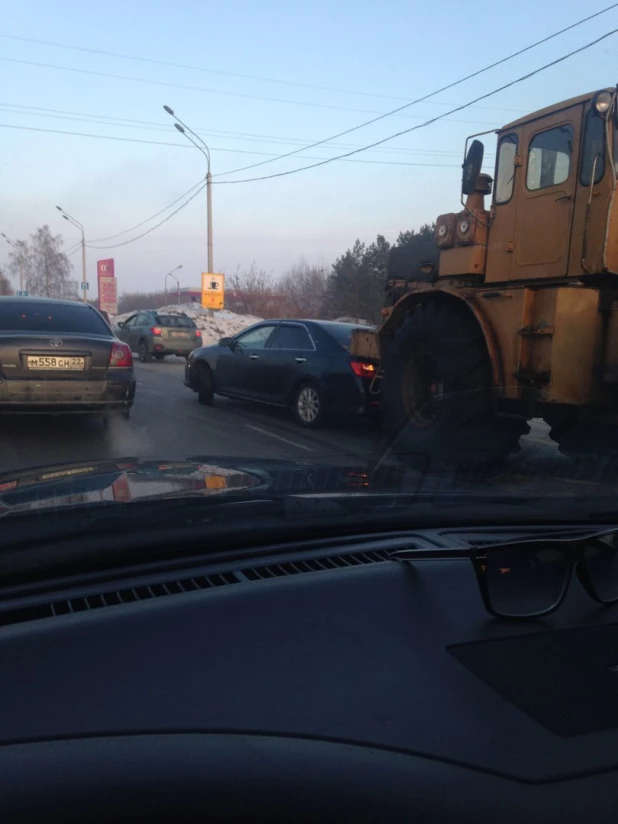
67,396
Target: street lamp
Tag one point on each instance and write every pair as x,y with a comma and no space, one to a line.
173,276
74,222
20,260
187,131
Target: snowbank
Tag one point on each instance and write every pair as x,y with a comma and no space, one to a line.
224,324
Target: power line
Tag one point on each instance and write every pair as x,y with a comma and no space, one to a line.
218,149
430,121
105,120
171,64
166,84
152,228
431,94
148,219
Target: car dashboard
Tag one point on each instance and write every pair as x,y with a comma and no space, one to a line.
312,682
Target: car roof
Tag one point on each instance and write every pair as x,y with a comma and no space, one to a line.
325,323
46,301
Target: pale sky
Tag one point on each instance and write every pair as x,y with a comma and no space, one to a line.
259,79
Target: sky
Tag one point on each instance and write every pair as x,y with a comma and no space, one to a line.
256,80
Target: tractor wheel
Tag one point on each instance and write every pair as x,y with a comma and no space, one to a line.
586,439
437,391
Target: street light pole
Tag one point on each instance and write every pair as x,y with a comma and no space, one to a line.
173,276
20,260
187,131
74,222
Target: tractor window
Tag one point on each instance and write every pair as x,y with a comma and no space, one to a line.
549,157
594,147
507,149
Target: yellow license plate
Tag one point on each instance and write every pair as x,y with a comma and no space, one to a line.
55,362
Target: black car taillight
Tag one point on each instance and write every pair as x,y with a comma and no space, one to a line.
363,369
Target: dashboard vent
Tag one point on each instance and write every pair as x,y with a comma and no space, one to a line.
315,565
142,592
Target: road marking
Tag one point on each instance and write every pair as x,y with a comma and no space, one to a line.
279,438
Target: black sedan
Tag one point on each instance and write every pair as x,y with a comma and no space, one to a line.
301,364
61,356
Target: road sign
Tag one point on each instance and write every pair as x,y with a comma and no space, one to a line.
106,281
85,287
22,294
213,290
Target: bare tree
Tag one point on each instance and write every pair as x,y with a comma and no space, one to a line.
45,268
20,263
304,286
5,284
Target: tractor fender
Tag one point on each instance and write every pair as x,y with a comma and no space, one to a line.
460,299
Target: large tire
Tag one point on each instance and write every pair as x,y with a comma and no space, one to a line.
437,391
586,439
205,385
142,352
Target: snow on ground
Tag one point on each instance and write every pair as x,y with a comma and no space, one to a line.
224,324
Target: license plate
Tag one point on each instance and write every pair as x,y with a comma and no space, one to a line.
180,334
55,362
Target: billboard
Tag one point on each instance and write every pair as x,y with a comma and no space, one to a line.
106,282
213,290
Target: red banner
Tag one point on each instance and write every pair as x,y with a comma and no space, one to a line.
106,282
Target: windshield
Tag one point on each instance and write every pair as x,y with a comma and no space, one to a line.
300,300
18,316
173,321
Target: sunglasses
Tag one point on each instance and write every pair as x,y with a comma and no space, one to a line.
530,579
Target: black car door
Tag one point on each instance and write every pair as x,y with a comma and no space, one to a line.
237,364
290,356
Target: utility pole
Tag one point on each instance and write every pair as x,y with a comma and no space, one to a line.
20,260
74,222
187,131
209,216
173,276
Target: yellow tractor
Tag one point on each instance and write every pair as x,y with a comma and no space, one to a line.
519,319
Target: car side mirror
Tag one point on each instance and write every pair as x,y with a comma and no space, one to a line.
472,167
226,342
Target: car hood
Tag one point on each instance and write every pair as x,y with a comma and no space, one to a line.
132,479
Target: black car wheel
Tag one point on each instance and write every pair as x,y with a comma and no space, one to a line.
159,355
308,406
142,352
205,385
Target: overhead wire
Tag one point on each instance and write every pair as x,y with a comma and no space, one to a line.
186,146
429,122
203,69
185,87
430,94
104,120
152,228
380,115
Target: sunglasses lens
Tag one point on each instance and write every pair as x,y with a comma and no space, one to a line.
524,582
601,561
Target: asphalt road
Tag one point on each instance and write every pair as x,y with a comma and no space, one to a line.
168,423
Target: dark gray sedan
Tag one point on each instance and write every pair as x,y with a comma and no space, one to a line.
61,356
304,365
